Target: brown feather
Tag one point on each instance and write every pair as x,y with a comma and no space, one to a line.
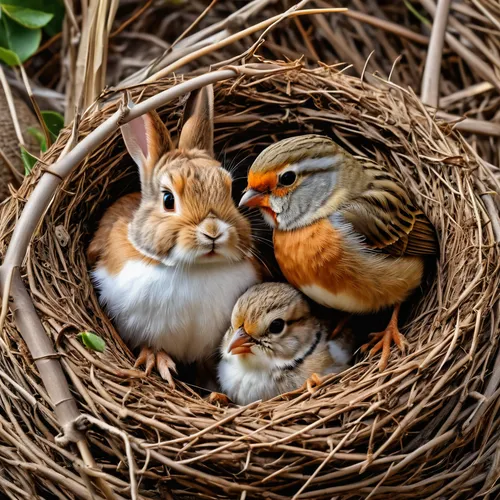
384,215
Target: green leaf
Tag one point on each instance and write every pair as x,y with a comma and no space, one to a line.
23,41
38,135
28,160
55,7
54,122
8,57
28,18
92,341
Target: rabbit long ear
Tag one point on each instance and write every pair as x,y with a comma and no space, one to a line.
198,130
147,139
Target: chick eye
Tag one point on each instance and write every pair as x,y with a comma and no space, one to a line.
168,200
288,178
277,326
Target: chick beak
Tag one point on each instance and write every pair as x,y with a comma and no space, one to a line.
253,198
241,343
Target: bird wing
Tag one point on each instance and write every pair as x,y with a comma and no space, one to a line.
385,216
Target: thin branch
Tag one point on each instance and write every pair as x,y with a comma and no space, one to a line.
41,121
12,107
482,69
17,176
388,26
89,419
71,15
487,13
471,125
192,25
432,71
206,36
132,18
237,36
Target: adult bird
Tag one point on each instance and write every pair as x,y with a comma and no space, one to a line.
346,232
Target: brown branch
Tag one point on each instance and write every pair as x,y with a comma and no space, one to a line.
483,70
388,26
206,36
43,354
432,71
12,107
25,314
238,36
192,25
17,176
41,121
132,18
470,125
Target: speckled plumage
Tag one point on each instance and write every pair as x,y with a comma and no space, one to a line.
346,232
277,362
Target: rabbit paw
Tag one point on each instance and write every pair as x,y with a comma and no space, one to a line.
219,398
163,362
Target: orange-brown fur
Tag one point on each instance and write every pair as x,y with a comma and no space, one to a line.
111,246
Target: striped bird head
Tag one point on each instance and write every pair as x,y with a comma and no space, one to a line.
299,180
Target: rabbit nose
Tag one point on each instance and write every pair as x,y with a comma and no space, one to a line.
212,230
213,237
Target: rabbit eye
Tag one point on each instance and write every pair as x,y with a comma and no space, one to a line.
277,326
168,201
287,178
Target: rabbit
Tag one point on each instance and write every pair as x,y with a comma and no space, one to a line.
170,262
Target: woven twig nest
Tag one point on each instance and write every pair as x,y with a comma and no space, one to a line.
427,427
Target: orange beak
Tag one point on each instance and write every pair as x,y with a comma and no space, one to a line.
241,343
254,198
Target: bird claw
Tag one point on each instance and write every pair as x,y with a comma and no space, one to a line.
219,398
311,385
381,341
313,382
163,362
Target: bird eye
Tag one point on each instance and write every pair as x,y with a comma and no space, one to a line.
277,326
168,201
288,178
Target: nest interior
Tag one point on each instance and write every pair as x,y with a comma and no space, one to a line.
428,425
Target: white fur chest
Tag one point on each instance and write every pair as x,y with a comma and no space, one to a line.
244,385
183,311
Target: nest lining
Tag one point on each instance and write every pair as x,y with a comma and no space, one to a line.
422,426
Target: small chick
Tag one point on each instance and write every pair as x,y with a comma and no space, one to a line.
275,345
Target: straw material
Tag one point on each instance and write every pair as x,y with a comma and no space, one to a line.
11,165
427,426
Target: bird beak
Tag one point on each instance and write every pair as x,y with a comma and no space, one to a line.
241,343
253,198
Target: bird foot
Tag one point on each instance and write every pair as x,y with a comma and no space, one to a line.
163,362
313,382
311,385
382,341
219,398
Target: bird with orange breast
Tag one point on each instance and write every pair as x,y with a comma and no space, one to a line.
345,231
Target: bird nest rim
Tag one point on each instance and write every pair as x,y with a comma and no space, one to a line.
357,421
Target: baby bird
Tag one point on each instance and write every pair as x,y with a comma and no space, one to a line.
345,231
276,345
